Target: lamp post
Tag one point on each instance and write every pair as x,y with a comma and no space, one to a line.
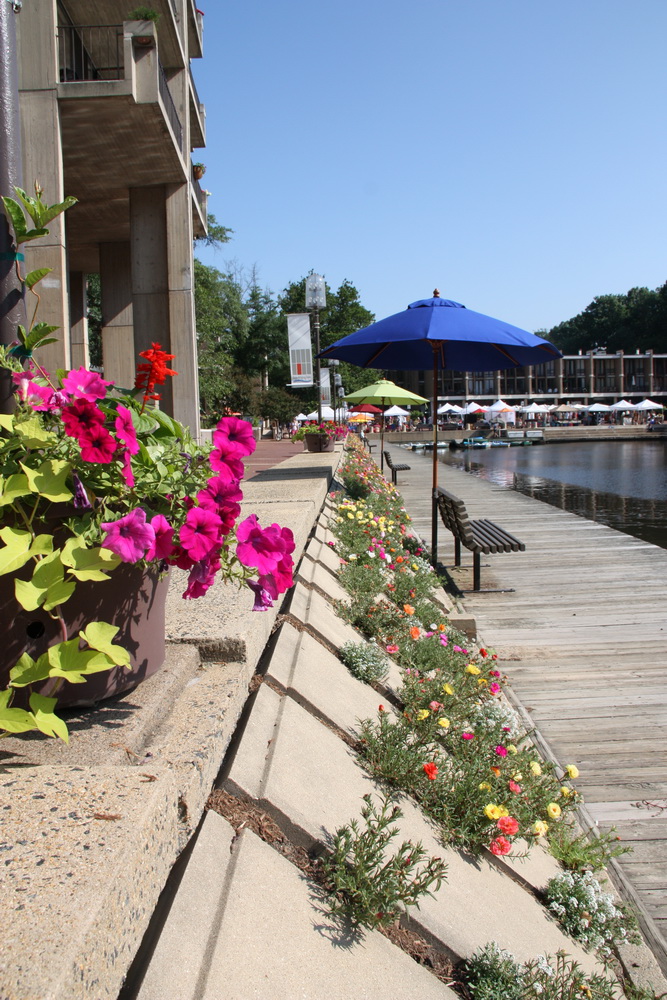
316,299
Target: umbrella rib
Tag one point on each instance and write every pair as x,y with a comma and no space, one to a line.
369,361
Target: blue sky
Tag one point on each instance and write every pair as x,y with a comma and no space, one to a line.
513,153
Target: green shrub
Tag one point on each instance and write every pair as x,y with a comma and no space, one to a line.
589,851
493,974
588,914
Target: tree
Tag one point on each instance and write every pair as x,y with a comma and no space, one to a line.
637,319
222,323
94,309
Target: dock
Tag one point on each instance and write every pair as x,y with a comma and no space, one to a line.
582,635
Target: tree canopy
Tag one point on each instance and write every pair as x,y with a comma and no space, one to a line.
637,319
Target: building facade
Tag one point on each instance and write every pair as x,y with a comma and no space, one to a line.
582,378
110,114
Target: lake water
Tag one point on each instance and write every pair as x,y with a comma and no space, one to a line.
619,483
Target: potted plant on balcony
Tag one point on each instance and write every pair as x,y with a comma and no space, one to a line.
198,169
143,13
100,493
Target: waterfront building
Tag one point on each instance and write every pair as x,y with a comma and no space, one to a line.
110,114
584,378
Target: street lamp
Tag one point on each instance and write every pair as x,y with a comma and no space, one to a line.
316,299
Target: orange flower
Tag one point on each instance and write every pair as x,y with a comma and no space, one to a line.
414,632
399,559
409,610
496,771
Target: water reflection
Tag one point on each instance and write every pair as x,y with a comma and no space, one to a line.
619,483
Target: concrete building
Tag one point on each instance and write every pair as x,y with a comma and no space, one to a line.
585,378
110,114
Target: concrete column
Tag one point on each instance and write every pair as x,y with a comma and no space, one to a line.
150,285
497,381
43,161
590,371
117,325
650,373
180,276
529,381
620,373
79,319
560,378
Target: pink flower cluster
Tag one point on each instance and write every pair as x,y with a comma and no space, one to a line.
210,518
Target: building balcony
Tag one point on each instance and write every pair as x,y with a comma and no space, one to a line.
172,53
197,116
195,29
199,207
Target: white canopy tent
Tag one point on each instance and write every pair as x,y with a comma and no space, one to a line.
500,406
301,416
474,407
396,411
598,408
327,414
449,408
623,404
648,404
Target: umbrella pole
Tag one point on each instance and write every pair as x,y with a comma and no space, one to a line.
382,443
434,507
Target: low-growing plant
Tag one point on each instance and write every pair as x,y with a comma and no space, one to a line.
587,851
494,974
368,887
364,661
590,915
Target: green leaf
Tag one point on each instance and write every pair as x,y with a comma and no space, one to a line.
37,334
16,217
29,671
13,487
49,479
53,210
98,635
88,564
7,422
16,551
42,545
32,432
17,720
72,663
47,587
33,277
144,423
45,719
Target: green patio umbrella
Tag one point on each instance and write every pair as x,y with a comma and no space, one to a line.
386,393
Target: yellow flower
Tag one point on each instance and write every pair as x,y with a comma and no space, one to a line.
553,810
539,828
484,786
535,768
415,567
518,776
445,723
492,811
511,748
503,811
572,771
565,792
472,669
422,714
351,517
448,689
482,681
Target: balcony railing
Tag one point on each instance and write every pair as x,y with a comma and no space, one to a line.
90,52
170,107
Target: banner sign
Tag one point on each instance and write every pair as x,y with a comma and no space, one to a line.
300,354
325,387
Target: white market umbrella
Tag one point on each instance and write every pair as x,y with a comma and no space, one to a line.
327,414
623,404
396,411
500,406
648,404
301,416
598,408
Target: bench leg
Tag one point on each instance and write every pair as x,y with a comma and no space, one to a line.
476,572
457,552
393,476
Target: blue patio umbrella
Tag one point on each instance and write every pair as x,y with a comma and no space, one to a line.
441,335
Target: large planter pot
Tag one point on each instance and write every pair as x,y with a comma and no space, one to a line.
131,598
318,442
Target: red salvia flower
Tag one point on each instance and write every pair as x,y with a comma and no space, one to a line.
153,371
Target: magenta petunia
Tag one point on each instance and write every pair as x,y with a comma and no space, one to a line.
222,498
80,416
258,547
125,431
85,385
97,445
234,437
202,576
501,751
129,537
126,469
265,592
163,545
229,468
283,574
201,532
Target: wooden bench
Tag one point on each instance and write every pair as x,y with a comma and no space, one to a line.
478,536
394,468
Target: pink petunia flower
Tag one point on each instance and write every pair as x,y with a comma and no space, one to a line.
85,385
129,537
79,417
392,648
163,546
125,431
229,468
467,736
97,445
234,437
258,547
202,576
494,688
126,469
201,532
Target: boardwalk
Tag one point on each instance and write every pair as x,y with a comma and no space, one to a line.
583,638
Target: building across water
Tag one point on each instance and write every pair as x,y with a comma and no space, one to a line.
583,378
